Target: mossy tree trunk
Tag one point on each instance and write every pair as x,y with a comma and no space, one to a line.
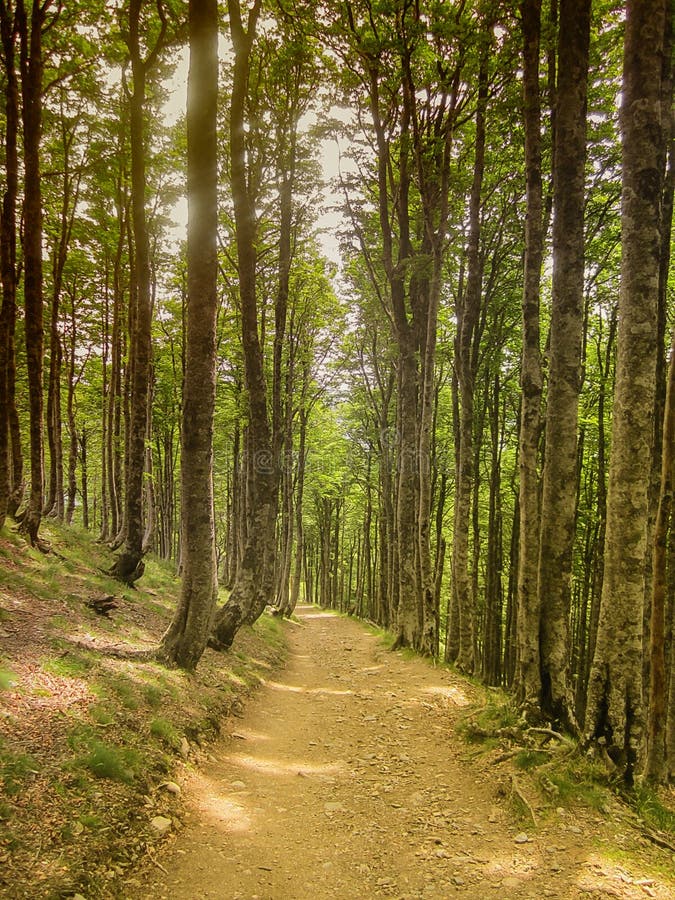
528,680
559,495
615,710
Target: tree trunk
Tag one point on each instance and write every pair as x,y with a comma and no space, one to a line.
186,637
615,715
8,485
128,566
467,312
255,578
528,679
31,92
656,769
70,412
559,495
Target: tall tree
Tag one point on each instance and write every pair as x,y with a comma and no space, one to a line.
660,757
32,65
528,679
558,512
615,713
129,564
255,577
186,638
10,451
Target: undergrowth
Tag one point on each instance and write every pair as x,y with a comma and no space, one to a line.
87,738
557,768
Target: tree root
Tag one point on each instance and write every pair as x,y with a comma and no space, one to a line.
118,652
658,839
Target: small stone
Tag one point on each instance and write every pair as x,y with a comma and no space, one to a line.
457,879
172,787
238,785
161,825
522,838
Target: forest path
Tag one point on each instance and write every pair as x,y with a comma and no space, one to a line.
345,779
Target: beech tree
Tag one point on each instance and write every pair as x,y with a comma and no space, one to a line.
615,710
186,638
253,587
11,459
30,27
560,465
129,565
528,679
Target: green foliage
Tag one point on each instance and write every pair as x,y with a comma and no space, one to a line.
103,759
71,664
15,769
652,810
530,759
166,732
7,679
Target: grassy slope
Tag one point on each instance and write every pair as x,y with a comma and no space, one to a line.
89,741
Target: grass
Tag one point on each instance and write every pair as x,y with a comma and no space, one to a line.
115,736
15,769
579,782
651,809
106,760
70,664
530,759
165,732
7,679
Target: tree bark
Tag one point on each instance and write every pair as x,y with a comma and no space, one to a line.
656,768
559,495
615,714
255,579
128,566
31,93
528,678
187,636
8,471
467,312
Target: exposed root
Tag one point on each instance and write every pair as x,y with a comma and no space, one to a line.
135,653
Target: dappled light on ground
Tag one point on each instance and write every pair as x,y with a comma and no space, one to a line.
453,693
309,614
334,794
297,689
225,812
284,768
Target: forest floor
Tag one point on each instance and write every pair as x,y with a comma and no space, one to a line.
348,777
353,772
92,744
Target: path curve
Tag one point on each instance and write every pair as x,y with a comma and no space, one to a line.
345,779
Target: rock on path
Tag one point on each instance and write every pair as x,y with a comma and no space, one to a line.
345,780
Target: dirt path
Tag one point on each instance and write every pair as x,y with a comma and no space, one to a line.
344,780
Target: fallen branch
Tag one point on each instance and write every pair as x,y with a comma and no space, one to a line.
155,861
119,652
548,732
515,789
